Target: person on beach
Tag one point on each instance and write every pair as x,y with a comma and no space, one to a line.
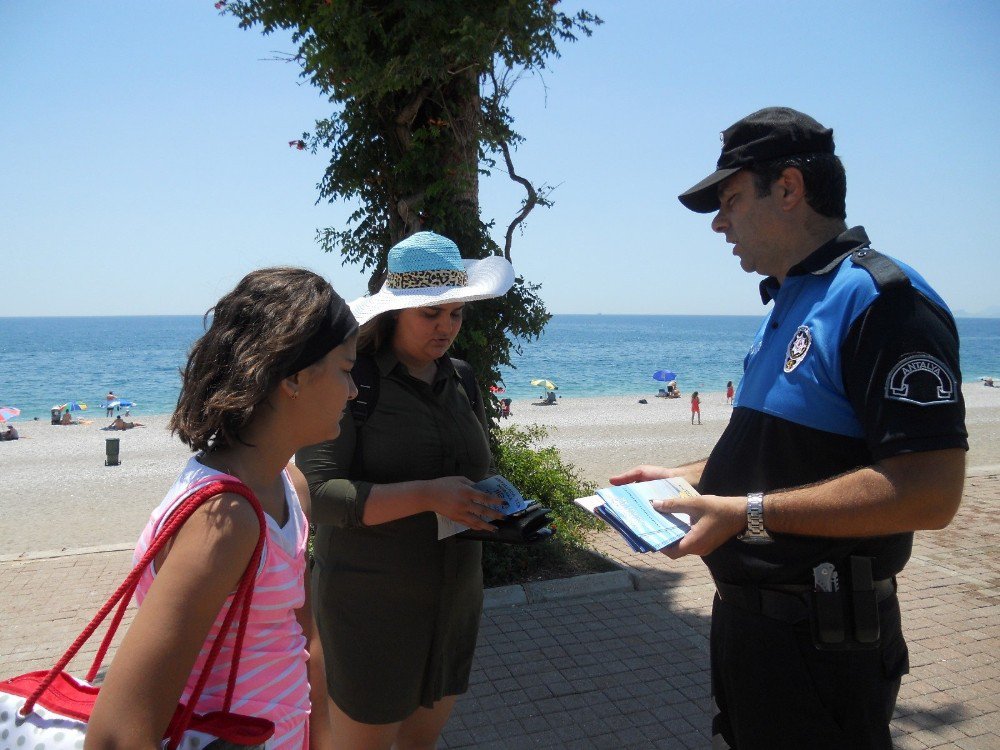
397,608
121,424
695,407
271,375
849,435
67,419
10,433
109,408
729,393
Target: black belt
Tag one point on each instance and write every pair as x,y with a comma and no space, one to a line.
788,603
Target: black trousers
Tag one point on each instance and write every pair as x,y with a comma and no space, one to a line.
775,690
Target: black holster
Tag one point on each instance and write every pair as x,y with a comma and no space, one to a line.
847,619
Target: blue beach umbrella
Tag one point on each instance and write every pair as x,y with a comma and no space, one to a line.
665,375
119,402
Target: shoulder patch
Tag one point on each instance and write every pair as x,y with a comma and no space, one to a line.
922,380
798,348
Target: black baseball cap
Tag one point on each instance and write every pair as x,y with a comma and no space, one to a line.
770,133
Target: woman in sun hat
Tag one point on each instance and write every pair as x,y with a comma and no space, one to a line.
398,609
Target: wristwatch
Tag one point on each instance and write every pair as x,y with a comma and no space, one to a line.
755,532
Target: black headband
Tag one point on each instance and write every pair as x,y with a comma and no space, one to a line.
337,326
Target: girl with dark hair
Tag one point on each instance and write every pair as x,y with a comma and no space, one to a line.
270,375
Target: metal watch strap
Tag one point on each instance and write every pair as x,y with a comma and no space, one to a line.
755,532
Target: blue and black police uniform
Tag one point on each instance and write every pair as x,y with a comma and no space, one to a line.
856,362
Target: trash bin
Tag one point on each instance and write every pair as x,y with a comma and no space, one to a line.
57,416
111,446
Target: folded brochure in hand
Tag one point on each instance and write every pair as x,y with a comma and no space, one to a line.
628,509
509,502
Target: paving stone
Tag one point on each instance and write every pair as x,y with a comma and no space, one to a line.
628,668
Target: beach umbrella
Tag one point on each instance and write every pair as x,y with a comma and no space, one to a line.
665,375
547,384
72,406
120,402
8,412
497,389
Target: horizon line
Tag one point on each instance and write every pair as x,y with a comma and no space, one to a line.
963,315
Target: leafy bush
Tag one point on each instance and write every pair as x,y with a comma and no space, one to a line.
540,474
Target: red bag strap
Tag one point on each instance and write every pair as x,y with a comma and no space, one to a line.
241,602
127,598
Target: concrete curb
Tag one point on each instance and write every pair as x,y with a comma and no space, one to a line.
592,584
53,553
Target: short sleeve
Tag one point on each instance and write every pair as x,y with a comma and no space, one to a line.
901,374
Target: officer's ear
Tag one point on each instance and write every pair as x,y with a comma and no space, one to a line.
790,188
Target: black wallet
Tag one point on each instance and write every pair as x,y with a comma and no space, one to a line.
529,526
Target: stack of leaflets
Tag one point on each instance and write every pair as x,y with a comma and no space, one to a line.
509,502
629,510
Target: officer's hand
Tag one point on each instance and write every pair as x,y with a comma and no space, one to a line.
457,499
644,473
714,521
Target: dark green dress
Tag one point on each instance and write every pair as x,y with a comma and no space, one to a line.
398,611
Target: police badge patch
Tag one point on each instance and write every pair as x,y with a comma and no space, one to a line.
922,380
798,347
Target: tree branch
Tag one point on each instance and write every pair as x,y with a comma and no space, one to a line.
531,201
405,117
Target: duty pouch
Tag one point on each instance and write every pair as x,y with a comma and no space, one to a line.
846,619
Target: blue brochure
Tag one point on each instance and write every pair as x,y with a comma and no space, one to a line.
628,509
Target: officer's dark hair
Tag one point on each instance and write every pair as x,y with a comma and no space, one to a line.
823,177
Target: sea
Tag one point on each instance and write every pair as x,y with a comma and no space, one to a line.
45,362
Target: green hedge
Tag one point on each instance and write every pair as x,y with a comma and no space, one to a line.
540,474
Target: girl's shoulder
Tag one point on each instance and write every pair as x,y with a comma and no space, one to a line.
301,487
223,514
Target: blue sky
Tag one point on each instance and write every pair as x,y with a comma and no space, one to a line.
144,165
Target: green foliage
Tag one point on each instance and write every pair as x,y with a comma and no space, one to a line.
419,91
419,94
540,474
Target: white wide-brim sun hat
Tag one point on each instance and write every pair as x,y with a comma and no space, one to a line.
426,269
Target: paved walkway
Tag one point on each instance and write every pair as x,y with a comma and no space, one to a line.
627,668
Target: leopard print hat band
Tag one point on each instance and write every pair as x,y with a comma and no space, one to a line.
422,279
426,269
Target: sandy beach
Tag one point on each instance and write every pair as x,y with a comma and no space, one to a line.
57,494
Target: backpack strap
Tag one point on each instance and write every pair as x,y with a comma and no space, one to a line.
468,377
366,379
884,270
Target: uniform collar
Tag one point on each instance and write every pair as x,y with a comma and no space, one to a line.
824,259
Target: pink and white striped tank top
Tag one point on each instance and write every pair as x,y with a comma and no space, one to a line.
272,681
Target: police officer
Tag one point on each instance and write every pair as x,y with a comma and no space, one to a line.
847,434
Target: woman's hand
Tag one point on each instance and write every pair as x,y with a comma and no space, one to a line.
457,499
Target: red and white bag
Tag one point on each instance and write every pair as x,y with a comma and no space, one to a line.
50,710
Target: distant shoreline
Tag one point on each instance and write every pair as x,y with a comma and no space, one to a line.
963,316
61,494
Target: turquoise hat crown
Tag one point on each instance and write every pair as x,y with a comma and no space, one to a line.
425,259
